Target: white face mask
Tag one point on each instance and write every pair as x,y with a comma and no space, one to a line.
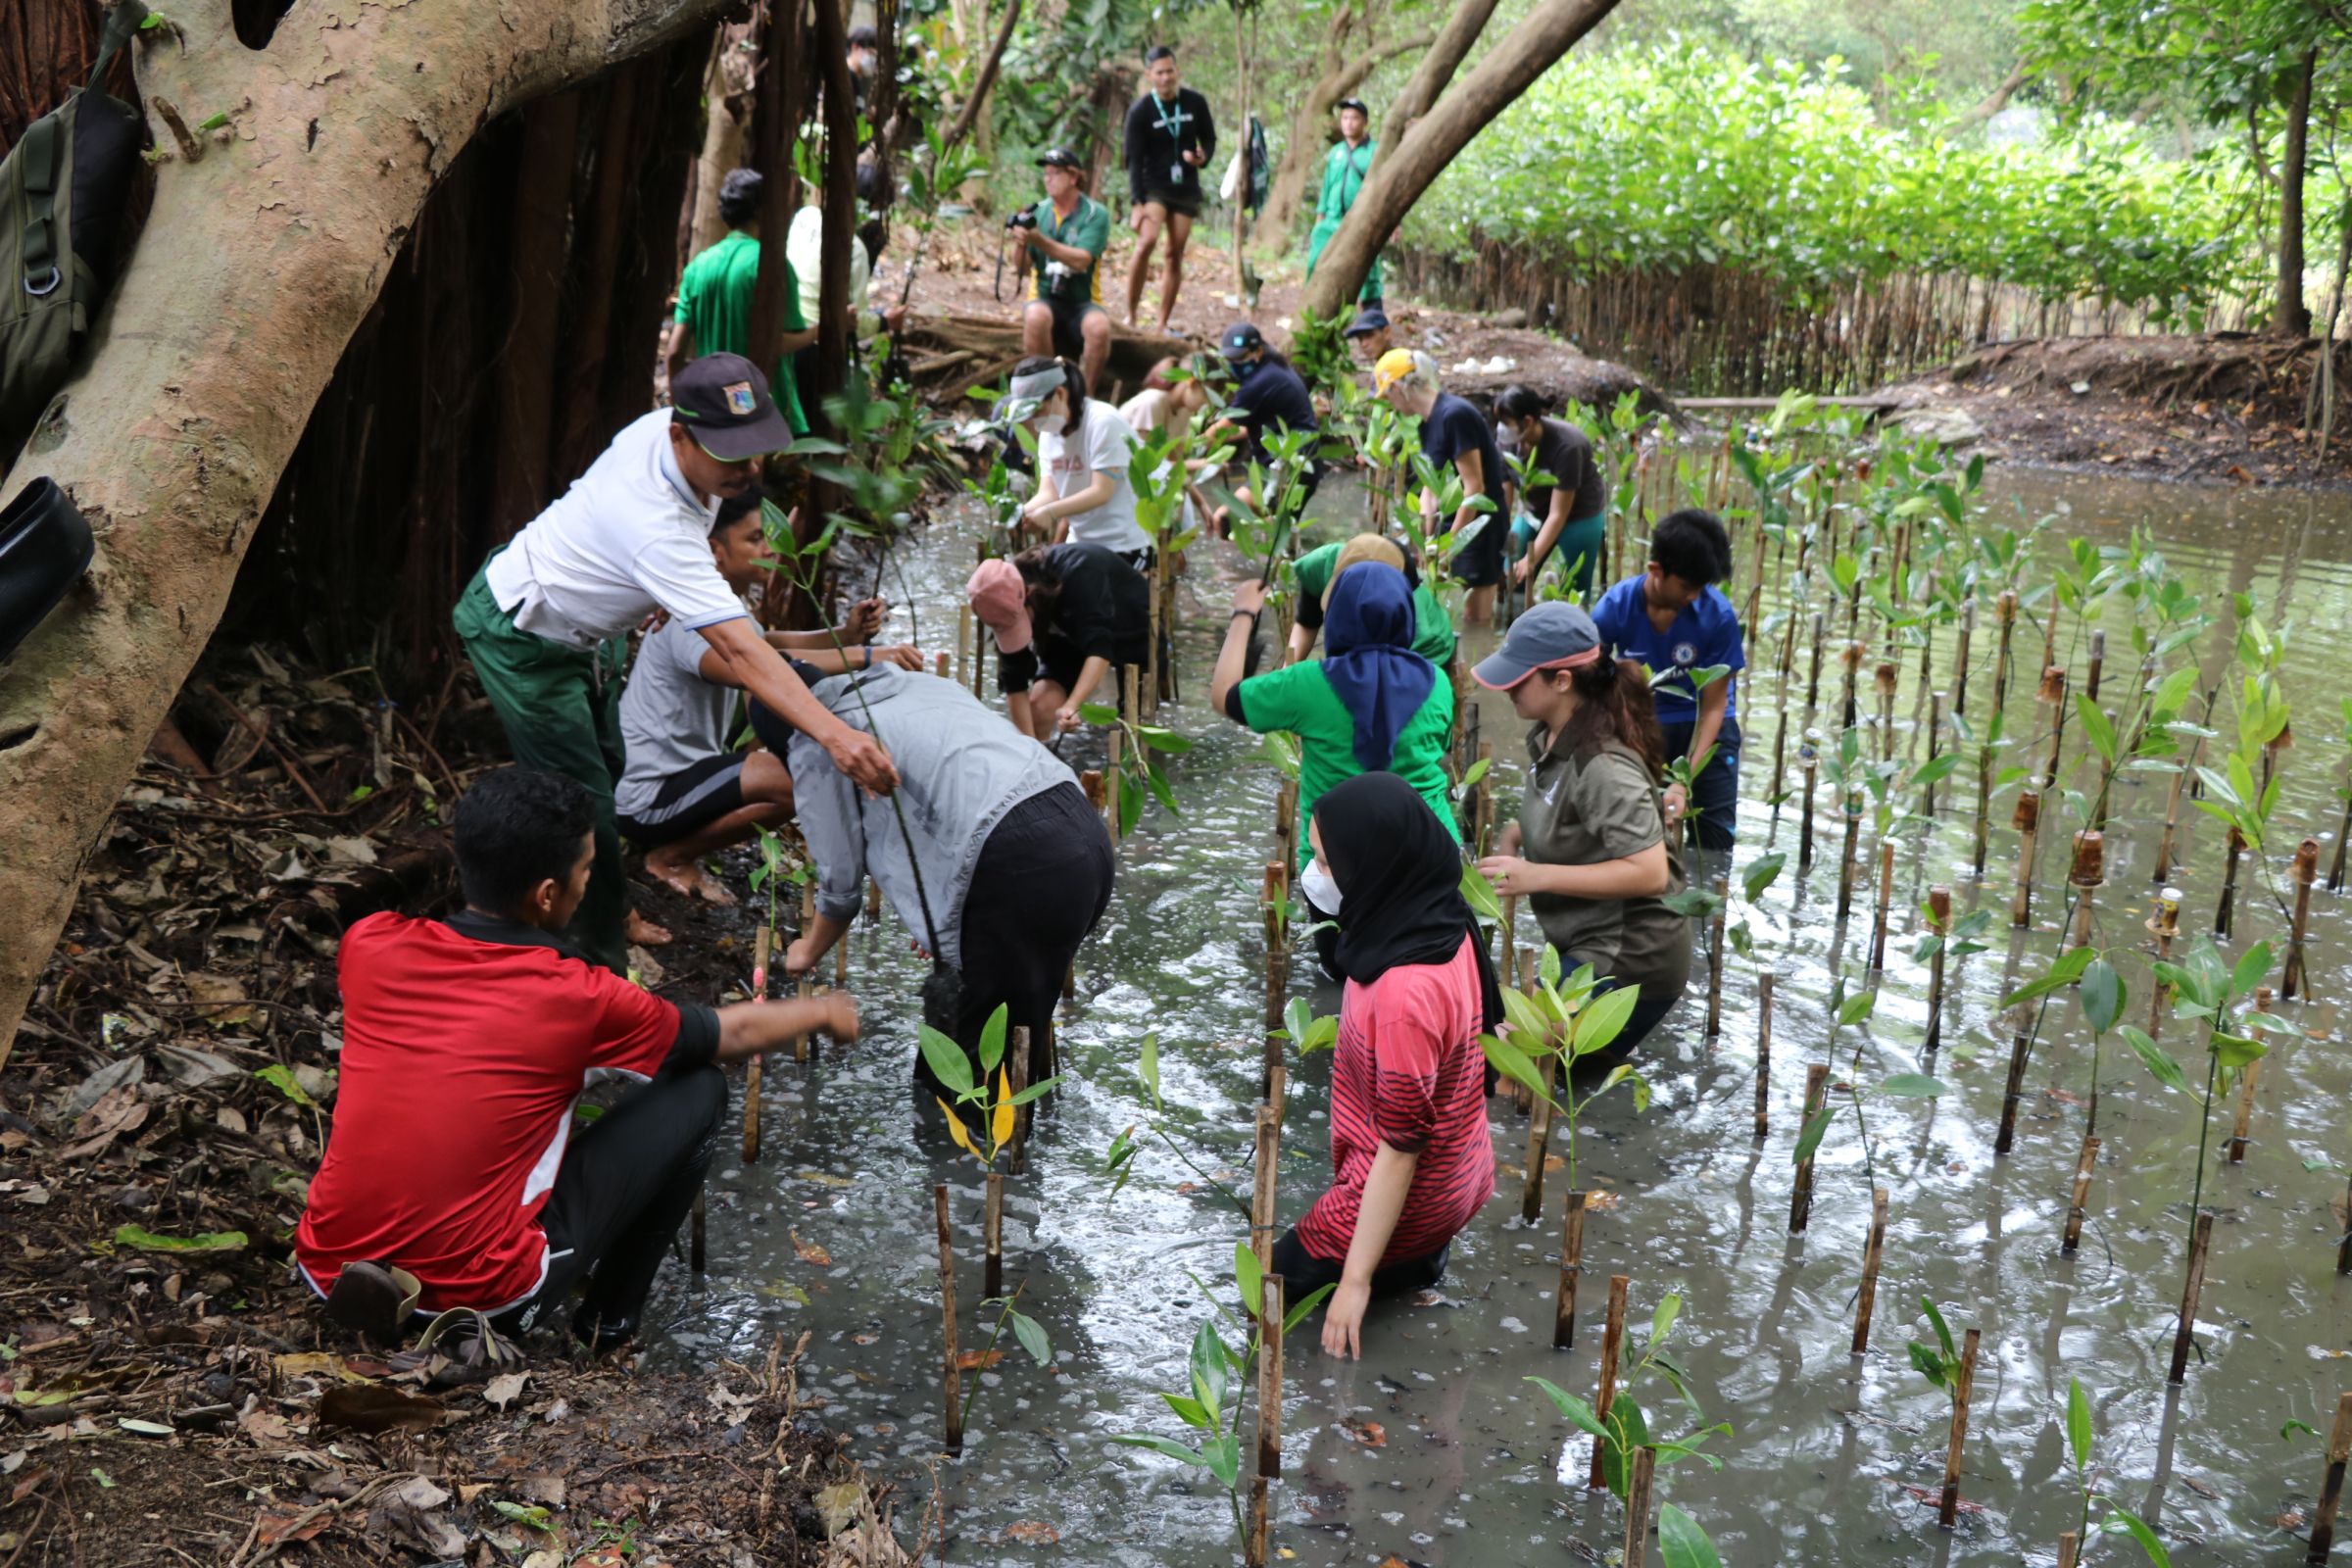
1320,889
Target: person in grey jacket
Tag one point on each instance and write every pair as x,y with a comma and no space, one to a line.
1015,865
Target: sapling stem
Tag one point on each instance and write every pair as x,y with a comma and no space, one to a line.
1940,923
1265,1172
991,1277
1538,1140
952,1383
2296,982
1879,923
1800,1196
1715,974
1764,987
1572,1268
1871,1248
2027,823
2199,1243
2076,1209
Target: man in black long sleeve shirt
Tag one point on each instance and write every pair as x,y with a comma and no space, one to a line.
1170,140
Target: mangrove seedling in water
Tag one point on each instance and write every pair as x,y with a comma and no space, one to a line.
1118,1164
992,1094
1216,1371
1565,1021
2118,1521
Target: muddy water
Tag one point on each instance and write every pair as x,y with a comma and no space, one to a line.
1831,1454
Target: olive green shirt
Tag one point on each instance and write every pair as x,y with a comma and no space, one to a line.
1599,806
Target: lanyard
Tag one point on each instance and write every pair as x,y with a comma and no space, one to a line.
1346,196
1175,127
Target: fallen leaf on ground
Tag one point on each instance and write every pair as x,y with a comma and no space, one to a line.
971,1360
1601,1199
501,1390
1033,1533
279,1526
811,1252
370,1408
837,1506
1371,1434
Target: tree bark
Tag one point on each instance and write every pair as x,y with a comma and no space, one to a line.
727,88
977,103
836,319
1991,104
2292,317
775,123
1405,171
1435,74
1303,148
270,239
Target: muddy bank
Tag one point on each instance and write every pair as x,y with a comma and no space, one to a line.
2220,408
168,1393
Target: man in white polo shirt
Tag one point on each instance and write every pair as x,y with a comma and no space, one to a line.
545,618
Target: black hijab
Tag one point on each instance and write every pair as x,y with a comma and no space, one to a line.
1399,875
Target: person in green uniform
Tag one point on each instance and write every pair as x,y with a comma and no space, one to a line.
714,298
1432,631
1345,167
1370,705
1066,234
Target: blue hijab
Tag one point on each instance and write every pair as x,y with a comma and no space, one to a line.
1368,622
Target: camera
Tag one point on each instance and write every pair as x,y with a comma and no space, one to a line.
1024,218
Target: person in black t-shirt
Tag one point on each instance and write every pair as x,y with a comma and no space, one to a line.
1266,395
1170,139
1569,514
1062,615
1454,434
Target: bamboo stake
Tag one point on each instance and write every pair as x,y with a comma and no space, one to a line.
1800,1196
992,1278
2080,1207
2200,1242
2027,823
1847,867
1538,1141
967,647
2053,692
951,1384
2004,614
1572,1268
2343,837
1877,937
1813,674
762,946
2088,875
1508,968
1261,1197
1269,1421
1113,785
1275,902
801,1043
2246,1075
2225,913
1808,762
1764,1053
1968,631
1984,807
1885,684
2021,1045
1940,922
1949,1512
1872,1249
939,661
2070,1547
1637,1506
1715,974
2162,872
2297,980
1612,1339
1934,748
2332,1489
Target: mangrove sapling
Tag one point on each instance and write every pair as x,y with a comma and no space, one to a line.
1555,1025
1954,1371
1140,777
1214,1370
1621,1431
2118,1521
1118,1164
991,1093
1853,1012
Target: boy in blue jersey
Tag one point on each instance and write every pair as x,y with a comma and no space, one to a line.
1673,619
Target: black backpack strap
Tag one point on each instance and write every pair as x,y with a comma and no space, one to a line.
126,17
41,150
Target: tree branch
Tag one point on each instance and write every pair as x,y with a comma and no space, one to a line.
969,114
1991,104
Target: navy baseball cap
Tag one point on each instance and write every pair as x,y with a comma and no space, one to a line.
1059,157
1366,323
1554,635
723,398
1241,338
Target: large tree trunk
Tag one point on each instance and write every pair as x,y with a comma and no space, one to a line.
836,312
269,241
1434,72
1309,136
775,125
1406,167
727,89
2292,317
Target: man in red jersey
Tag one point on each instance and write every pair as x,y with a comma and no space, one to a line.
465,1043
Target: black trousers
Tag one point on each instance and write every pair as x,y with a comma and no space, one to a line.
1714,817
627,1182
1041,885
1303,1273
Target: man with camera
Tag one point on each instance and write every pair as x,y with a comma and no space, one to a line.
1066,235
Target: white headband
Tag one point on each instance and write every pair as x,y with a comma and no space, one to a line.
1033,387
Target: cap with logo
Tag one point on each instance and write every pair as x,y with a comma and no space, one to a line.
1242,338
1366,323
1552,635
1059,157
723,398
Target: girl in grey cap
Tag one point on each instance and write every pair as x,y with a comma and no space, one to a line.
1591,853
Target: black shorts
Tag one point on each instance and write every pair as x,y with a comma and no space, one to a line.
1480,562
1059,661
1069,322
1187,202
689,801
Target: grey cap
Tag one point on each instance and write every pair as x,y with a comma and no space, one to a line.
1554,635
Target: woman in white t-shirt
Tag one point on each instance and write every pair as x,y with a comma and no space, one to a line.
1083,447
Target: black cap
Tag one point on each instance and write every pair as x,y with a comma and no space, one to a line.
1059,157
1356,103
1240,338
1366,323
723,398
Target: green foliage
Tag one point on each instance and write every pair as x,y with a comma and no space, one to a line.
1790,174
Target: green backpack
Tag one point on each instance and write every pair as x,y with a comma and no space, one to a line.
63,187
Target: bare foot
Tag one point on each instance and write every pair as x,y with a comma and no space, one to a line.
644,934
680,877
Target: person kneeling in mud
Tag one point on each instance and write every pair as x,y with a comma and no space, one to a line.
684,791
454,1178
1412,1159
1063,617
997,864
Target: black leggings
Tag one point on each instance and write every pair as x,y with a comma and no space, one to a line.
1302,1273
1041,883
627,1182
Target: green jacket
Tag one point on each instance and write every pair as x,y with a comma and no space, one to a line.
1345,170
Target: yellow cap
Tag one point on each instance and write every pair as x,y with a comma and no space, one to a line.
1368,546
1393,368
